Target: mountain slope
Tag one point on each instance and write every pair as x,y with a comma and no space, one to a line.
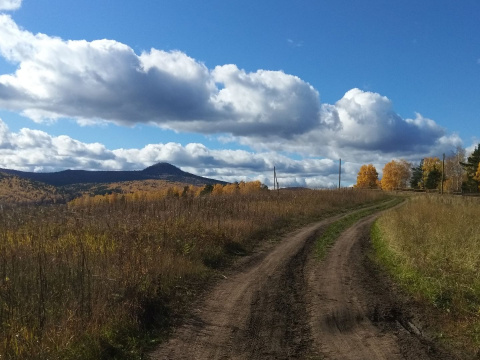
16,190
160,171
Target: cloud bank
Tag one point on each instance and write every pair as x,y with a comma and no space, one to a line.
362,126
35,150
270,111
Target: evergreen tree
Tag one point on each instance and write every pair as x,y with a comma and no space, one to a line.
207,189
471,166
416,181
434,178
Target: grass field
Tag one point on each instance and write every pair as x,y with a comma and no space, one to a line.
101,281
431,246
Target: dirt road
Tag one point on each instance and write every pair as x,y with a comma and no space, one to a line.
282,303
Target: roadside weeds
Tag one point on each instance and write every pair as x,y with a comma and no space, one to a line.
429,247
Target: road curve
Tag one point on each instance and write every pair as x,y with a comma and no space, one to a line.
282,303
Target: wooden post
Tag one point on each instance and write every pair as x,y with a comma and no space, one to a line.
443,172
339,173
275,181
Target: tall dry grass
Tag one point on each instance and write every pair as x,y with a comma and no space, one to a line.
92,281
432,247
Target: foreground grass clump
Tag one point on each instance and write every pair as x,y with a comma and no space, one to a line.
98,280
431,246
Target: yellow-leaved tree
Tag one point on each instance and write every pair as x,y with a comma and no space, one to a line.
477,175
396,174
367,177
217,189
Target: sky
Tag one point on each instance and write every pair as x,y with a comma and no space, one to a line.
229,89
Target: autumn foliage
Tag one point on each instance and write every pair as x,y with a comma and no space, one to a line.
396,175
16,190
477,175
167,192
367,177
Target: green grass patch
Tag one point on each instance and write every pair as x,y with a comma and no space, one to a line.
413,280
431,248
333,231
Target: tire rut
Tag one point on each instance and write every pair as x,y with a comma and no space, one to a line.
257,312
353,312
282,303
341,328
278,322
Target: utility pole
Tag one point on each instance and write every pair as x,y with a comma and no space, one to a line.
443,171
275,181
339,173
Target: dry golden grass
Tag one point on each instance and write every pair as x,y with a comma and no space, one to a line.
93,281
432,247
141,185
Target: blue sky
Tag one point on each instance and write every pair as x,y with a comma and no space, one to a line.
228,89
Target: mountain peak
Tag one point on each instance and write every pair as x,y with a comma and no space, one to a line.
162,168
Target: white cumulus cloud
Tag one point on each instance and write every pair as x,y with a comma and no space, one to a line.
106,80
268,102
363,127
10,4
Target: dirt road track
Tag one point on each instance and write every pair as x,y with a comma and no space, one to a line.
282,303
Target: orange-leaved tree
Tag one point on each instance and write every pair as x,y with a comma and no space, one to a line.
367,177
396,174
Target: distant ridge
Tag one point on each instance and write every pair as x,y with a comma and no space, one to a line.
160,171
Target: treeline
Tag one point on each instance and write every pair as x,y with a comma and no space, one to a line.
458,173
173,191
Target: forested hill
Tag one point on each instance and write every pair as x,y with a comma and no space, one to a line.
160,171
15,190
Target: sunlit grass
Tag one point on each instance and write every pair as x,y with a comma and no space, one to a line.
98,281
431,245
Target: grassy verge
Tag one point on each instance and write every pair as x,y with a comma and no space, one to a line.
431,247
333,231
105,280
